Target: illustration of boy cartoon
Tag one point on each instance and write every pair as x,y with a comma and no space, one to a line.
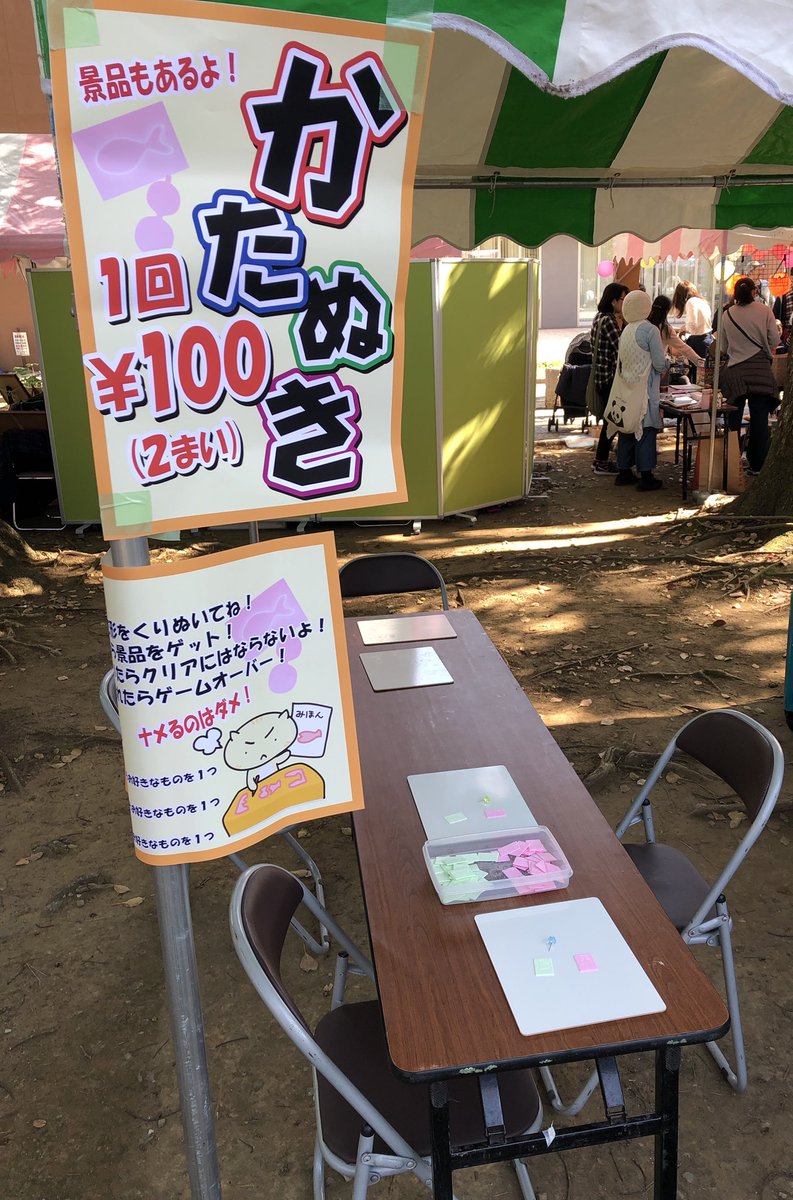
274,781
260,747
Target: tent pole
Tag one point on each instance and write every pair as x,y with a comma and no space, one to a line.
171,887
497,182
715,395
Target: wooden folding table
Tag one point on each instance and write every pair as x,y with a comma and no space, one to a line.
445,1012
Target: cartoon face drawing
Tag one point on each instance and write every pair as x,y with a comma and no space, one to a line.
260,746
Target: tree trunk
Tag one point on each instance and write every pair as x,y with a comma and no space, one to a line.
19,565
771,493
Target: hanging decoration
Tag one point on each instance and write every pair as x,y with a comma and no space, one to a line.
729,269
779,283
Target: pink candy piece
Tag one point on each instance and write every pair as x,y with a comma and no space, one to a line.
585,962
523,864
513,873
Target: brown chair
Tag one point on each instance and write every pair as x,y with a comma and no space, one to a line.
370,1123
387,574
749,759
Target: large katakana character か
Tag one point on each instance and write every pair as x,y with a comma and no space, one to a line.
347,119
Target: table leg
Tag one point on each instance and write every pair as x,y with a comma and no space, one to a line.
667,1080
441,1160
685,458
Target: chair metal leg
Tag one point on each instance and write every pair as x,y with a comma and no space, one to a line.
737,1078
318,1173
575,1106
524,1182
340,979
360,1183
319,887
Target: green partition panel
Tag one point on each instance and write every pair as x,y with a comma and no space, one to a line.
484,329
51,295
419,437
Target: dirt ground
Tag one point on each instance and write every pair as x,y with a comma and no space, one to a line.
617,619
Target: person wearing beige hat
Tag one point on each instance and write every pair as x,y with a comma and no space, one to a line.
633,409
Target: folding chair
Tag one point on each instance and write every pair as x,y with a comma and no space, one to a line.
748,759
370,1124
32,466
108,698
387,574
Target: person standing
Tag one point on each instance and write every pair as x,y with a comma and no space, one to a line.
633,410
605,339
748,334
695,317
783,310
672,343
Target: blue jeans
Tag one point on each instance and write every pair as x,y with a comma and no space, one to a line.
640,452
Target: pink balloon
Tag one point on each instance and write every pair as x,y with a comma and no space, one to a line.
605,268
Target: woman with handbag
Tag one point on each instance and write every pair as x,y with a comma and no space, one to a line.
605,339
633,409
748,335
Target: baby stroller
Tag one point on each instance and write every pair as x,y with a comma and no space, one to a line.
571,389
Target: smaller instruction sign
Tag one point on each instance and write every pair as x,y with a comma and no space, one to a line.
233,689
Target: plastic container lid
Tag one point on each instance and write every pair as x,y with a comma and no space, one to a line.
496,865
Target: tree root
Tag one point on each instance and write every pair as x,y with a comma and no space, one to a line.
577,662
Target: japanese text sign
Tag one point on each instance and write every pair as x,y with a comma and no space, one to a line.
233,691
238,190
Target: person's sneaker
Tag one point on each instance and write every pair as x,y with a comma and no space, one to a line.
604,466
625,479
649,484
747,470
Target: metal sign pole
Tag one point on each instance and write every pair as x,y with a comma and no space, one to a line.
715,389
172,892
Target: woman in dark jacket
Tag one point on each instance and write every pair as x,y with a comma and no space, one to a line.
605,339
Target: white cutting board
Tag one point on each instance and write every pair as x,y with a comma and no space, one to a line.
439,794
417,627
618,989
417,667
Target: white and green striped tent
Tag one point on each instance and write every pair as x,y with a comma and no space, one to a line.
596,117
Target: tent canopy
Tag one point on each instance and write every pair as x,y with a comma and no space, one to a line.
31,217
670,143
597,117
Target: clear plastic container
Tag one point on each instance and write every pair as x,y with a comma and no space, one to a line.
476,867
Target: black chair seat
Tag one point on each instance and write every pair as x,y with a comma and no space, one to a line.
674,881
353,1037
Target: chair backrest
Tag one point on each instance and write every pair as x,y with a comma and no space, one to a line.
29,449
749,759
739,750
386,574
108,698
268,900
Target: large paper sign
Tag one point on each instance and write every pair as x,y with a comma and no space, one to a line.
233,690
238,190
